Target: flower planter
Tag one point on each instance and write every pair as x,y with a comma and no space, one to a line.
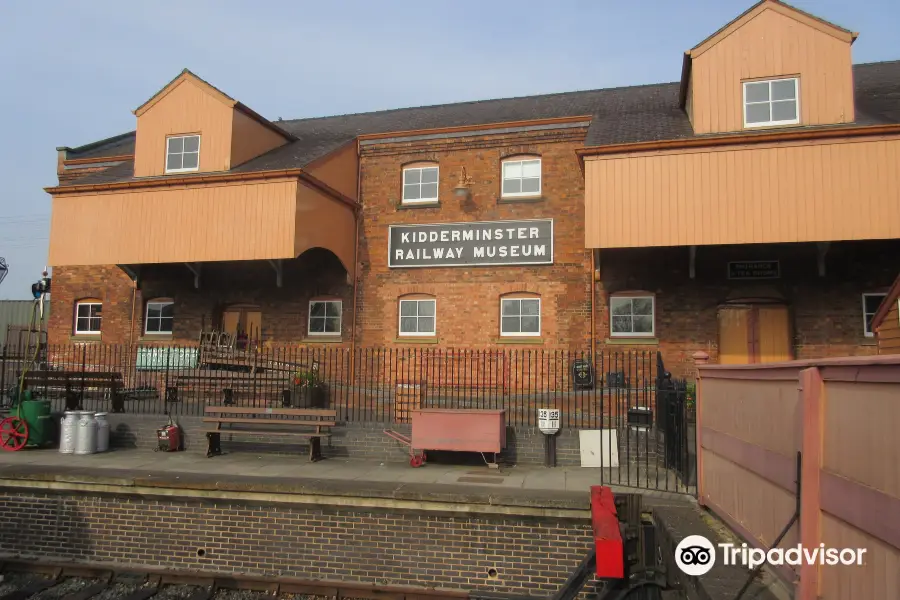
308,397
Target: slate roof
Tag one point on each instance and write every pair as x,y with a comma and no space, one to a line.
623,115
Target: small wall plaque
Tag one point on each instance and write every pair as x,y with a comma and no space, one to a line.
754,269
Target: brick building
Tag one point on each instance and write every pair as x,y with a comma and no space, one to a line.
749,210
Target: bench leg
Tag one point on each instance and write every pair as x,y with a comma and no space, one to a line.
315,449
213,444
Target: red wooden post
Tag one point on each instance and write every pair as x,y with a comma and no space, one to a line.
812,396
700,358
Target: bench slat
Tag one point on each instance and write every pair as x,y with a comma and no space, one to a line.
302,412
271,422
295,433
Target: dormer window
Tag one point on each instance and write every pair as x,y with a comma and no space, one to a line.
771,102
182,153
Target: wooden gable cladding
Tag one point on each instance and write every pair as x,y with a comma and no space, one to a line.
230,134
771,41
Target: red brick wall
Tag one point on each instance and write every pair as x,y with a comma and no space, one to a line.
468,299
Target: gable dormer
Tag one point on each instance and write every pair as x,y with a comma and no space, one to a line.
772,67
190,126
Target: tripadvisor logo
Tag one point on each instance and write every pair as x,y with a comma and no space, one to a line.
696,555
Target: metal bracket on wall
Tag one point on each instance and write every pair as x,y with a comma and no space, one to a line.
279,270
821,250
195,268
134,272
692,268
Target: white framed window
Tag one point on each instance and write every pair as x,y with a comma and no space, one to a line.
182,153
417,317
772,102
521,178
870,304
520,317
159,317
88,316
632,316
325,317
420,184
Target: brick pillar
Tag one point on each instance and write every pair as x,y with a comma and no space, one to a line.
701,358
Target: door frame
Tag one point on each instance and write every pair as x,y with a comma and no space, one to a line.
753,343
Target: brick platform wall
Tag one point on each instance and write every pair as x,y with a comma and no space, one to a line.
372,546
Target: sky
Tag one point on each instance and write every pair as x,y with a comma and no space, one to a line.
72,72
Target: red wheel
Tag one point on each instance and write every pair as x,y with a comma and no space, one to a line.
13,433
416,461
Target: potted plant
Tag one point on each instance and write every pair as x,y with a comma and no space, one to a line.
306,389
690,401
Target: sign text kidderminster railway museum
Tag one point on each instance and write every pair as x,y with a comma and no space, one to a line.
528,242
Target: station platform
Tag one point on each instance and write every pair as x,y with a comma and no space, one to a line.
521,489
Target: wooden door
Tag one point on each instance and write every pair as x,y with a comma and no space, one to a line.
734,335
254,324
754,334
773,334
230,321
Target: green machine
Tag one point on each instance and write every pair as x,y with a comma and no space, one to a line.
29,422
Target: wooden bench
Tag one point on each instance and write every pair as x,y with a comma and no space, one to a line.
311,422
73,383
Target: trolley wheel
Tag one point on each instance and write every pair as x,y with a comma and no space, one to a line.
13,433
417,461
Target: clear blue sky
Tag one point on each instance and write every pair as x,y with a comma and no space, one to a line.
72,72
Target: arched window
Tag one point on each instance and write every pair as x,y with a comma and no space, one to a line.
88,315
520,315
418,316
420,183
632,314
521,177
159,316
325,316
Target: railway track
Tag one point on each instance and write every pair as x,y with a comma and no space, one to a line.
23,580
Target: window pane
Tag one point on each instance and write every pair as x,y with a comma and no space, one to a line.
317,309
783,90
82,324
531,307
430,175
411,191
509,325
192,144
408,324
173,161
165,324
94,324
531,168
153,325
176,145
621,324
426,308
758,113
317,325
643,324
332,325
531,185
512,186
784,111
95,309
511,307
412,176
873,302
189,161
429,190
512,169
531,325
642,306
408,308
757,92
332,309
167,311
620,306
426,324
84,310
154,311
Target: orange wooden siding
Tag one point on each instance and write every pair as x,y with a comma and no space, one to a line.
844,189
889,332
772,44
251,139
322,222
185,109
247,221
339,169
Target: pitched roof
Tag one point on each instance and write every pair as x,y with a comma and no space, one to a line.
623,115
